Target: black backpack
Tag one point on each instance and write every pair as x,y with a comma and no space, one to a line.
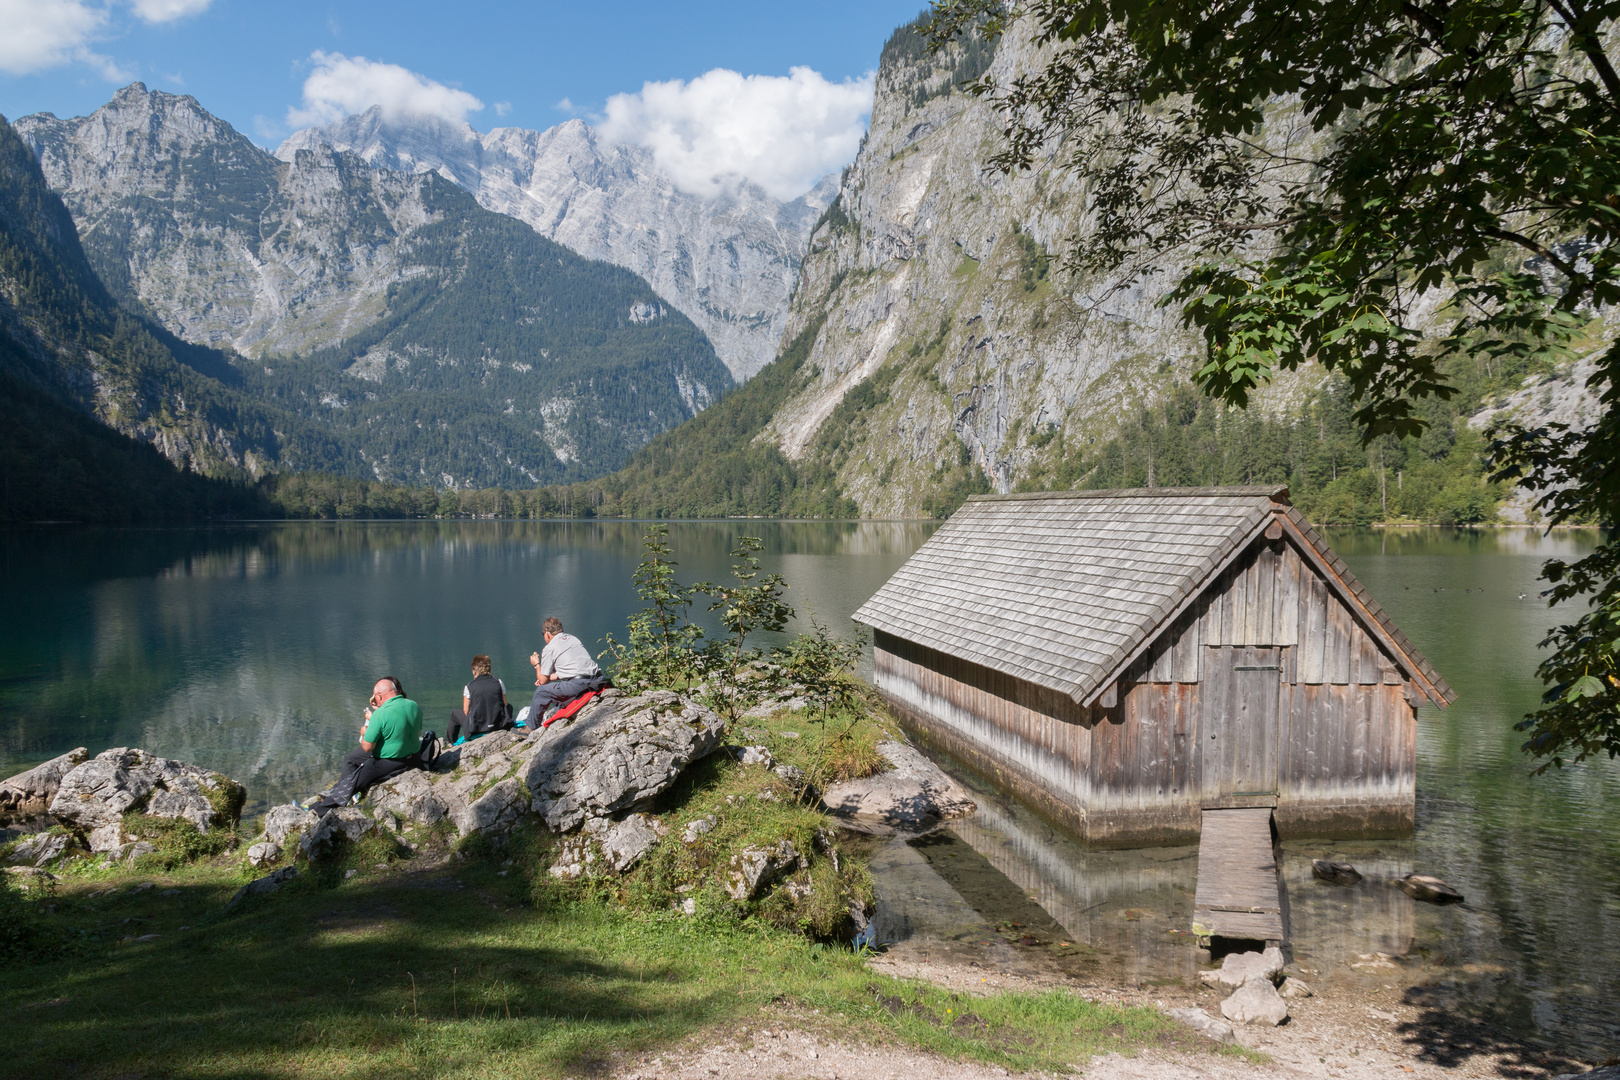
428,755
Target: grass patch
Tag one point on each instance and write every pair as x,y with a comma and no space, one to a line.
177,840
452,974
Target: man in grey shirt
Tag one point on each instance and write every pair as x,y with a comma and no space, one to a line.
563,670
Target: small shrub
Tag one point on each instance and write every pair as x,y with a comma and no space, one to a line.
177,840
25,933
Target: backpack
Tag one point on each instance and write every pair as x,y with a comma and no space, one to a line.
428,755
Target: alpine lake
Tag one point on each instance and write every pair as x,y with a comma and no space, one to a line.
252,648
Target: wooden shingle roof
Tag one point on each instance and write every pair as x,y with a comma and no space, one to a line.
1064,589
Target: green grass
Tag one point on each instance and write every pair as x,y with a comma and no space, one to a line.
454,973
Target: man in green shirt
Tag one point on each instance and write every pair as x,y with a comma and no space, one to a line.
390,736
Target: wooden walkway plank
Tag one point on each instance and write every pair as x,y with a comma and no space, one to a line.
1237,894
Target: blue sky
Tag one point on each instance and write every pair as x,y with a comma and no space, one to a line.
249,61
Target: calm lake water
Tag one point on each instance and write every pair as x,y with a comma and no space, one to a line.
251,649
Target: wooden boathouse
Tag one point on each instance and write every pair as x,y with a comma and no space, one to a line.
1125,661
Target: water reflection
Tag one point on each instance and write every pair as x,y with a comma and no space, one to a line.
250,648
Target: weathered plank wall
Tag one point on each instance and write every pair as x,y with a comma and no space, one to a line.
993,722
1343,753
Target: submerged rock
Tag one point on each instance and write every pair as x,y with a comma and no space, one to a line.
27,796
1429,889
1339,873
912,796
93,797
1256,1002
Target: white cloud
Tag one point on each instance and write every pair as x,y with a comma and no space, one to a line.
567,106
781,133
343,85
502,108
162,11
42,34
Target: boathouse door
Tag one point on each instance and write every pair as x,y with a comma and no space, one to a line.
1241,730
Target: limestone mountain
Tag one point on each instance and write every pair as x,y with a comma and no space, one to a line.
452,345
936,346
88,389
728,263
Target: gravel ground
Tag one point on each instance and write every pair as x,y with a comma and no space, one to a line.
1344,1036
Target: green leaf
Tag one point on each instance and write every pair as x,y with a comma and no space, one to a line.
1585,686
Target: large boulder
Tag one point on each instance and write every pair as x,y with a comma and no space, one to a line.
27,796
912,796
1256,1002
1239,968
609,760
93,797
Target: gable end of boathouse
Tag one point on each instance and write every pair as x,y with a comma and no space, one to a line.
1124,660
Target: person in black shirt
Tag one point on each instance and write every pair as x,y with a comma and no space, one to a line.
483,705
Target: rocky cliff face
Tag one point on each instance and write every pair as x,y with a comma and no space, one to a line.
728,263
949,350
455,345
222,243
934,277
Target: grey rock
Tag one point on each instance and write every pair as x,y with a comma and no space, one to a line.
263,854
284,822
263,886
755,755
1255,1002
1239,968
614,758
107,837
130,851
28,795
345,823
411,796
754,869
1205,1024
910,797
1292,988
495,811
1608,1072
623,843
100,791
39,849
1428,889
698,827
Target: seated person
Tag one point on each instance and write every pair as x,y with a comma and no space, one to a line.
390,738
484,707
564,670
